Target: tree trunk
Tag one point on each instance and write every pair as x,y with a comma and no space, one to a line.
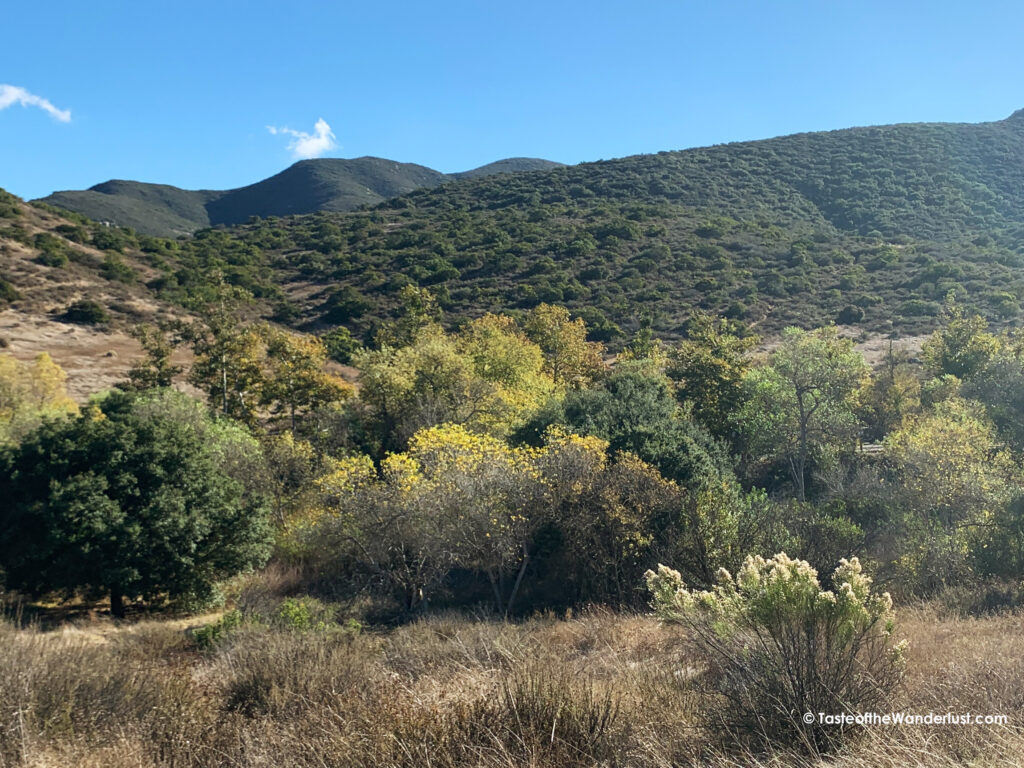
224,383
519,579
498,602
116,602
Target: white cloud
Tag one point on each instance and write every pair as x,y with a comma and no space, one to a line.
306,145
12,94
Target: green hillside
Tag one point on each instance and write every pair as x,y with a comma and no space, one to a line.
137,206
329,184
871,227
868,226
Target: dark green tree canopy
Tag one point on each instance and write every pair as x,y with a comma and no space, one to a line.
636,412
141,496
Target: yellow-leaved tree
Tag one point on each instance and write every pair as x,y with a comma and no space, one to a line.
294,378
30,392
488,378
571,360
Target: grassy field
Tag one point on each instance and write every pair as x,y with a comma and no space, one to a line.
599,688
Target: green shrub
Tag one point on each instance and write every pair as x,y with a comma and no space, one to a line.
8,292
115,269
52,250
777,645
304,613
208,636
86,312
9,208
340,344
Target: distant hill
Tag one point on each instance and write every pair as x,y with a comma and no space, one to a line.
510,165
327,184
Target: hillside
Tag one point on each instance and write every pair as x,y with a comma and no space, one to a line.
73,289
868,227
871,227
329,184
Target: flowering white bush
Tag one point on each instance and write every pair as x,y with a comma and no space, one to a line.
777,646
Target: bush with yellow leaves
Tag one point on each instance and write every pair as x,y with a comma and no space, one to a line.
466,503
777,646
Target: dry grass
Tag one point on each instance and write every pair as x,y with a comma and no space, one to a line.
598,689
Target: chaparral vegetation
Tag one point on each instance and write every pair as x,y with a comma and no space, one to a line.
557,468
447,556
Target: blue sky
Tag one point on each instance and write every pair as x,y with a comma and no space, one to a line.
183,93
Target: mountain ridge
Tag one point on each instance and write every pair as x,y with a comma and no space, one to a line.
307,186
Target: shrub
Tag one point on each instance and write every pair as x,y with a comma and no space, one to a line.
114,268
8,292
86,312
208,635
9,208
777,645
305,613
52,250
849,315
339,344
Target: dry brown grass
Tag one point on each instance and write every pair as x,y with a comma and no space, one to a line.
449,690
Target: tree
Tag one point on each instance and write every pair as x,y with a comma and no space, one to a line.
962,347
458,500
999,385
488,377
227,352
803,402
953,477
30,393
893,393
717,525
572,361
708,368
601,521
143,496
339,344
636,412
295,378
228,366
418,311
155,369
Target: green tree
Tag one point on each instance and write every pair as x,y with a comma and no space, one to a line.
228,353
962,347
708,368
803,403
893,393
142,497
339,344
418,310
999,386
154,370
953,477
636,412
